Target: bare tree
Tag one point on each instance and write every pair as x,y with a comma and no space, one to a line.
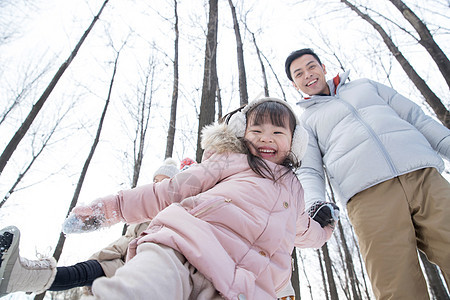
20,133
299,255
240,57
260,56
207,105
426,39
329,269
12,16
173,107
323,273
62,237
140,109
295,278
438,107
219,102
31,76
436,286
36,152
142,118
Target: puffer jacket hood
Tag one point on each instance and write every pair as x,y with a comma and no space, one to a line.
218,138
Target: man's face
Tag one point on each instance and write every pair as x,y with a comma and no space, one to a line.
309,75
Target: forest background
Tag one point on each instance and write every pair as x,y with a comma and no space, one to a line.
122,78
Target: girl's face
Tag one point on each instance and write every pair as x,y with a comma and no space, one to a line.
270,142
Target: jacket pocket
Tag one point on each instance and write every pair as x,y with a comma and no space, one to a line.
208,206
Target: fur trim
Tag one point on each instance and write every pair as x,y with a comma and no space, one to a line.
219,138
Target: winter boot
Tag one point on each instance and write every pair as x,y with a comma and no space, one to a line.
20,274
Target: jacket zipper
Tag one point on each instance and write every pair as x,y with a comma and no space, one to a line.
374,136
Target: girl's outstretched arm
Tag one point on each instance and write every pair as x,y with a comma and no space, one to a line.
143,203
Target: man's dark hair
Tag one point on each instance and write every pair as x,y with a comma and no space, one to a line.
296,54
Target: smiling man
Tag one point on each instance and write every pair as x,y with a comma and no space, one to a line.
382,155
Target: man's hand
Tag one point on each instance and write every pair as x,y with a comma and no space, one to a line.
324,213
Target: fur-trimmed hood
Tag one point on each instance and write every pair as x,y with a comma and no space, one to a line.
218,138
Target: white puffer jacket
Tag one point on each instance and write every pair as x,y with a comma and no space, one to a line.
366,133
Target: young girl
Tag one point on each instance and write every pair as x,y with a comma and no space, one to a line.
42,274
222,228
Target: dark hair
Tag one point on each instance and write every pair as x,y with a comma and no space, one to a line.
275,113
296,54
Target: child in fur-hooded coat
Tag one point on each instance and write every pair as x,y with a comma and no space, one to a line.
235,227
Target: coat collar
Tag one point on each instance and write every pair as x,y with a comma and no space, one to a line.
334,85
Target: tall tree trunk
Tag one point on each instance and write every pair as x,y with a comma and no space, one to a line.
260,56
436,284
295,277
426,39
173,107
20,133
240,57
207,105
350,267
142,121
307,283
275,75
438,107
263,69
324,277
330,277
219,102
62,237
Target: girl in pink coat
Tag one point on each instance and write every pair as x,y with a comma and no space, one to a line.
224,228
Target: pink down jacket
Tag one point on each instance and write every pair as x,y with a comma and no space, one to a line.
237,228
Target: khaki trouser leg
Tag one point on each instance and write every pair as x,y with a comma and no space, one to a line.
381,219
431,216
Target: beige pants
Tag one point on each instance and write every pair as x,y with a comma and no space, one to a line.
392,220
156,272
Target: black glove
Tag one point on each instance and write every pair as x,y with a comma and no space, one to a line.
324,213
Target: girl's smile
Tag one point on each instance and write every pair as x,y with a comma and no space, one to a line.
269,142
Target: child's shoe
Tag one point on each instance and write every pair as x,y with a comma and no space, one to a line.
20,274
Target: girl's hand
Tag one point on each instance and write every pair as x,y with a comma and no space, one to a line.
90,218
78,224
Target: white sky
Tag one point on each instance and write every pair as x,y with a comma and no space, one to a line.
52,28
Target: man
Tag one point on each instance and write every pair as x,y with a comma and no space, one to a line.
381,155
